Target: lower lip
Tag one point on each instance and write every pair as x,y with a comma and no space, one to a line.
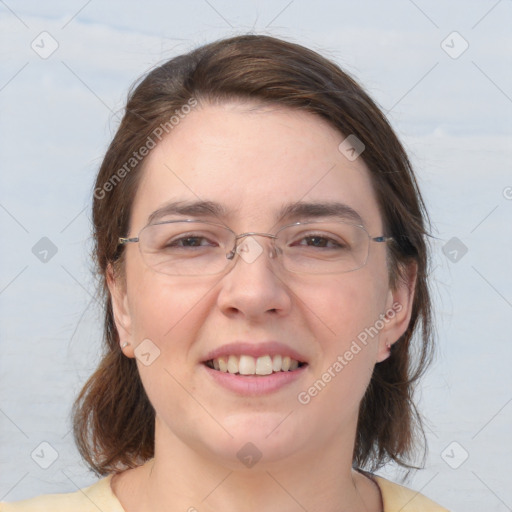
252,385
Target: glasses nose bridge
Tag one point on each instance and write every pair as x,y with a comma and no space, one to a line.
241,236
254,233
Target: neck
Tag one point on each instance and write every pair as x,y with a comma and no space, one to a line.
181,478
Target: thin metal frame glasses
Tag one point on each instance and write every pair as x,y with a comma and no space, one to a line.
199,248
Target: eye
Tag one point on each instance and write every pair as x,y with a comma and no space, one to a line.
191,241
321,241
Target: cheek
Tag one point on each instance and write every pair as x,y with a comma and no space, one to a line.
170,315
343,316
345,306
166,311
341,376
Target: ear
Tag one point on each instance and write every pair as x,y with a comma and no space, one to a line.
121,310
398,311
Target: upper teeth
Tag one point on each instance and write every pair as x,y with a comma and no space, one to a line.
248,365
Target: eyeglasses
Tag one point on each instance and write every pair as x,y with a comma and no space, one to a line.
200,248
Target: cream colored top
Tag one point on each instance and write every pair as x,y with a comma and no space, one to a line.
99,497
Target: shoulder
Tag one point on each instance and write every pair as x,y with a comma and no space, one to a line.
98,496
397,498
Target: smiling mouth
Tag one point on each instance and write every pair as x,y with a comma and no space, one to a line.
248,365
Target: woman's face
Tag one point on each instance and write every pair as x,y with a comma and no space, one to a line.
253,162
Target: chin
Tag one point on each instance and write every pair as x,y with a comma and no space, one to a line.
259,439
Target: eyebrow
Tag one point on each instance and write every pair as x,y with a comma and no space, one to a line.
288,212
188,208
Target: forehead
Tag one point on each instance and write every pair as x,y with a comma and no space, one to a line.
253,161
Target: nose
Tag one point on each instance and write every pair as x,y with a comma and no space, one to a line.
255,287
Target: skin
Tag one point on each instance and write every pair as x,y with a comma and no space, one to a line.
252,160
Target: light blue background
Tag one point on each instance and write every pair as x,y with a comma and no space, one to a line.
453,114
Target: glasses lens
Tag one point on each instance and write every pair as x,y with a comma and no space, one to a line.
186,248
323,247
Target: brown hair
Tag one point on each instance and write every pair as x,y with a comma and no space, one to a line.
113,418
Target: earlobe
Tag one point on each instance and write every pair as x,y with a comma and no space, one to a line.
398,311
121,310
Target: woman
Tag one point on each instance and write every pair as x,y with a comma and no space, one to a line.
260,241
